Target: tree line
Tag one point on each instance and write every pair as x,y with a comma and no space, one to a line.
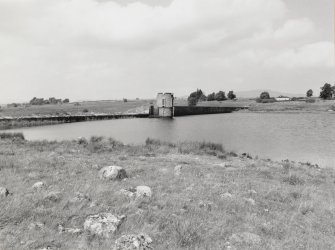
51,100
199,95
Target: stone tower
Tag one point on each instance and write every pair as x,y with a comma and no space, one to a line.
164,104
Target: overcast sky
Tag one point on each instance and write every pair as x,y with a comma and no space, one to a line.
109,49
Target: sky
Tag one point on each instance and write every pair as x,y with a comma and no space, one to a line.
113,49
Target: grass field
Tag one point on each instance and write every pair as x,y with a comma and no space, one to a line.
108,107
215,199
291,106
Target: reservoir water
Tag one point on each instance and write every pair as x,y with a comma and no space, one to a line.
306,137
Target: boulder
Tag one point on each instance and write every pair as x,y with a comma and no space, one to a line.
143,191
4,192
38,185
133,242
112,173
103,224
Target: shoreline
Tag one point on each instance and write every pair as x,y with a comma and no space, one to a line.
201,196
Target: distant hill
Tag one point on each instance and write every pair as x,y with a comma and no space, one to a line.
257,92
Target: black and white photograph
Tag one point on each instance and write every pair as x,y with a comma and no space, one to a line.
167,124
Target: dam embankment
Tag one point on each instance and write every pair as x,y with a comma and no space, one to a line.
40,120
200,110
31,121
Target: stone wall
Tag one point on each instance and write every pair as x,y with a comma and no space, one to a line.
195,110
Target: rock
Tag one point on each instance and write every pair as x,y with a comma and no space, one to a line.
79,197
251,201
36,226
133,242
53,196
103,224
245,238
4,192
226,195
76,231
38,185
143,191
129,193
207,206
251,191
112,173
177,170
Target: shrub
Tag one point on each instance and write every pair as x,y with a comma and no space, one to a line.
211,146
94,139
82,141
85,110
293,180
12,136
270,100
98,144
156,142
310,100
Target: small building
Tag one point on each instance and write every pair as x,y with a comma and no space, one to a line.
282,99
164,105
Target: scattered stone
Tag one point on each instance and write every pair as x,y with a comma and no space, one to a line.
38,185
112,173
177,170
252,191
46,248
103,224
251,201
133,242
75,231
93,204
53,196
190,188
129,193
4,192
226,195
207,206
245,238
143,191
36,226
79,197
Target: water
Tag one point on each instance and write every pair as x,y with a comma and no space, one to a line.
295,136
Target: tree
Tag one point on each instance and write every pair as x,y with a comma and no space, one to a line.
220,96
192,101
231,95
195,97
66,100
309,93
327,91
211,97
264,95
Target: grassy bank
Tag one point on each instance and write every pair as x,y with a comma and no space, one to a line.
291,106
203,196
97,107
